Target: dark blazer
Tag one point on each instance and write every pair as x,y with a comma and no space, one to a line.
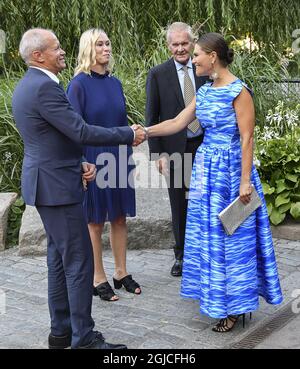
165,101
53,135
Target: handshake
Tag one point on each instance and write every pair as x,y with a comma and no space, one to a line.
141,134
89,170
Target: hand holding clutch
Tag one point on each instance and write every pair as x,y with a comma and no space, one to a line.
236,212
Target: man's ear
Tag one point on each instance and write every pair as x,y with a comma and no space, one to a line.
37,56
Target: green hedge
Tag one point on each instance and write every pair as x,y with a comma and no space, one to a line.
278,159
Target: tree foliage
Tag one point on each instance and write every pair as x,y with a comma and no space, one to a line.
133,24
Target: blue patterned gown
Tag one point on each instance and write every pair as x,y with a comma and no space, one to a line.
225,273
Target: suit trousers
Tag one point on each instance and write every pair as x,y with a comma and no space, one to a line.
70,272
178,195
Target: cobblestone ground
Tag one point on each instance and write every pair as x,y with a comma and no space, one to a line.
158,318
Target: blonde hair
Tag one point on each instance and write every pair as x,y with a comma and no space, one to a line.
87,53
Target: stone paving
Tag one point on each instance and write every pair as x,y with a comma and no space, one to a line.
158,318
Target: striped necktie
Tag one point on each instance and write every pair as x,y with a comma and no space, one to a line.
189,94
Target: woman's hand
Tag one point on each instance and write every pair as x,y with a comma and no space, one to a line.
245,192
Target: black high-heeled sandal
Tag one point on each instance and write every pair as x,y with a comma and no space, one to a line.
130,284
105,292
222,325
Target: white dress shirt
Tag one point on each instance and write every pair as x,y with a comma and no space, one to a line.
49,74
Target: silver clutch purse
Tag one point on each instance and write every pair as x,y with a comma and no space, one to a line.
236,212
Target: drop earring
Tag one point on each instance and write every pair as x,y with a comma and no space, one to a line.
214,74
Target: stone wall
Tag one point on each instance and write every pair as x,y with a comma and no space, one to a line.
6,200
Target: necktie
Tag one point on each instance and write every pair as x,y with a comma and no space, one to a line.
189,94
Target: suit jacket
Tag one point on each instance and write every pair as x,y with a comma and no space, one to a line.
53,135
165,101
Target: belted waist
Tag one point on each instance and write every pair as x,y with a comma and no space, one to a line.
221,141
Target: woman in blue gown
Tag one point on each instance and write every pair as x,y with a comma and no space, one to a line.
98,97
227,274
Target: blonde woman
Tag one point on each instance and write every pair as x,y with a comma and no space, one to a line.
98,97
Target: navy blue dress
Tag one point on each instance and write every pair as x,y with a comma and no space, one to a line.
99,99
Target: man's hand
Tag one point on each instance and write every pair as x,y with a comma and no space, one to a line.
140,134
89,171
162,166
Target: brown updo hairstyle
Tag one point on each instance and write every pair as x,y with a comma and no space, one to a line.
215,42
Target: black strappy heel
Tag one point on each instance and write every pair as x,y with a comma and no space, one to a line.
244,318
222,325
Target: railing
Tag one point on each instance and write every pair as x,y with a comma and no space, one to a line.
290,85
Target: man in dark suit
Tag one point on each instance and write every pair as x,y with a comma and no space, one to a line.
53,135
170,88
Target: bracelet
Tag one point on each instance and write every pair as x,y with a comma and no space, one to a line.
146,132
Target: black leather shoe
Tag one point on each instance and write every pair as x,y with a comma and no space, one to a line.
99,343
59,342
176,270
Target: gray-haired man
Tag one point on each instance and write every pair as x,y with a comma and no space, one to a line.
170,87
53,135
